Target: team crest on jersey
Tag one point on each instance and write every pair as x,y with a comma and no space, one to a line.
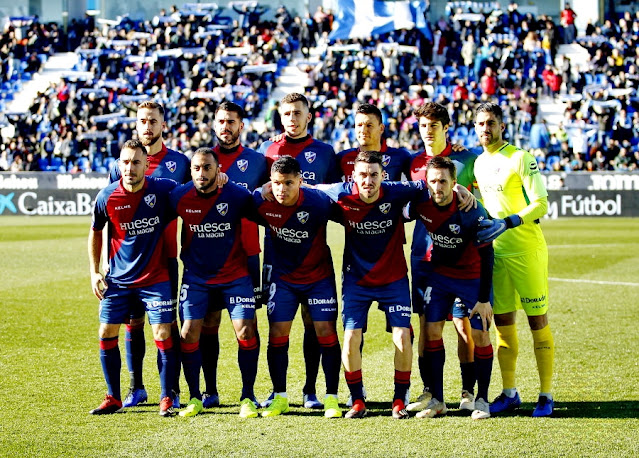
150,200
454,228
385,208
310,156
242,164
222,208
171,165
270,306
386,160
302,216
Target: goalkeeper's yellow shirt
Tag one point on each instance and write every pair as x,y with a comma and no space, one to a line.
509,180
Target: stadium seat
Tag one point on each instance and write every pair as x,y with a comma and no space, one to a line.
43,164
108,162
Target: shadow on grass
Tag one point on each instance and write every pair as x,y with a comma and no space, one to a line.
600,409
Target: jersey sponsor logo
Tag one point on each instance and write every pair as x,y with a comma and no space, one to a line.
273,215
222,208
302,216
193,210
242,164
210,230
289,235
150,200
122,207
244,302
140,226
385,208
316,301
171,165
310,156
538,302
371,227
386,160
454,228
445,241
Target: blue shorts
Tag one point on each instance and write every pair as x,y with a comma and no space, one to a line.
393,299
119,302
284,298
196,299
451,295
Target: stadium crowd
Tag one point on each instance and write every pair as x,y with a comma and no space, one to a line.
191,60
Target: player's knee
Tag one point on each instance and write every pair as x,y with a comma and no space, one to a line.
107,330
245,330
139,321
401,338
161,331
325,328
538,322
481,338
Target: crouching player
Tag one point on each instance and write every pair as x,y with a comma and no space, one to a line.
215,273
460,269
137,213
300,270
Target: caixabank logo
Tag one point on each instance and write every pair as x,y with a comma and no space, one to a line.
6,203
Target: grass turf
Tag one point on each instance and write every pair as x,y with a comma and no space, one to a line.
51,375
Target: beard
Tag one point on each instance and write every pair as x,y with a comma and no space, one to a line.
231,142
146,141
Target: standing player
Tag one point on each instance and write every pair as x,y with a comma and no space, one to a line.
215,272
369,130
246,168
374,269
434,121
318,163
459,269
514,194
300,270
136,210
163,163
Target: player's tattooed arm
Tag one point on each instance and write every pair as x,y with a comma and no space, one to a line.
466,198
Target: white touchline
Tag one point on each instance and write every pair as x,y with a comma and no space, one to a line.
596,282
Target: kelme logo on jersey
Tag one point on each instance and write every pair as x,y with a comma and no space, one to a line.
150,200
386,160
222,208
310,156
242,164
171,165
454,228
385,208
302,216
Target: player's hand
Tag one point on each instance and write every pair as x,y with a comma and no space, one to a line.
277,138
490,229
267,192
98,285
485,311
222,179
458,148
467,200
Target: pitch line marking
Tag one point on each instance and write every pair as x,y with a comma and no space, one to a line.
591,245
596,282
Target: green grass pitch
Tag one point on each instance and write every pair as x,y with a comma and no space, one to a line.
50,374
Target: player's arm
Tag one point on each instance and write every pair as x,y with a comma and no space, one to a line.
467,200
483,308
98,285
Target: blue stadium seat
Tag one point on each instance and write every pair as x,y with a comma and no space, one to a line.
83,164
108,162
551,161
43,164
56,161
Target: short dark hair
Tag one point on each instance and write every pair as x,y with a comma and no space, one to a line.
295,97
232,107
489,107
135,144
206,150
286,165
444,163
151,105
370,157
433,110
368,108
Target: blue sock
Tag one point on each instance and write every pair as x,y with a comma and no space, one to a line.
355,384
312,355
175,336
331,361
468,376
111,365
277,357
135,347
435,357
166,366
247,355
210,351
484,368
192,361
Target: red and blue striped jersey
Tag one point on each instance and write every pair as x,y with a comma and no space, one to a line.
137,223
317,159
295,241
373,251
212,250
247,168
167,163
453,233
396,162
464,163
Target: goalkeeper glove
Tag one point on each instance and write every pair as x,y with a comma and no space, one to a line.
490,229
